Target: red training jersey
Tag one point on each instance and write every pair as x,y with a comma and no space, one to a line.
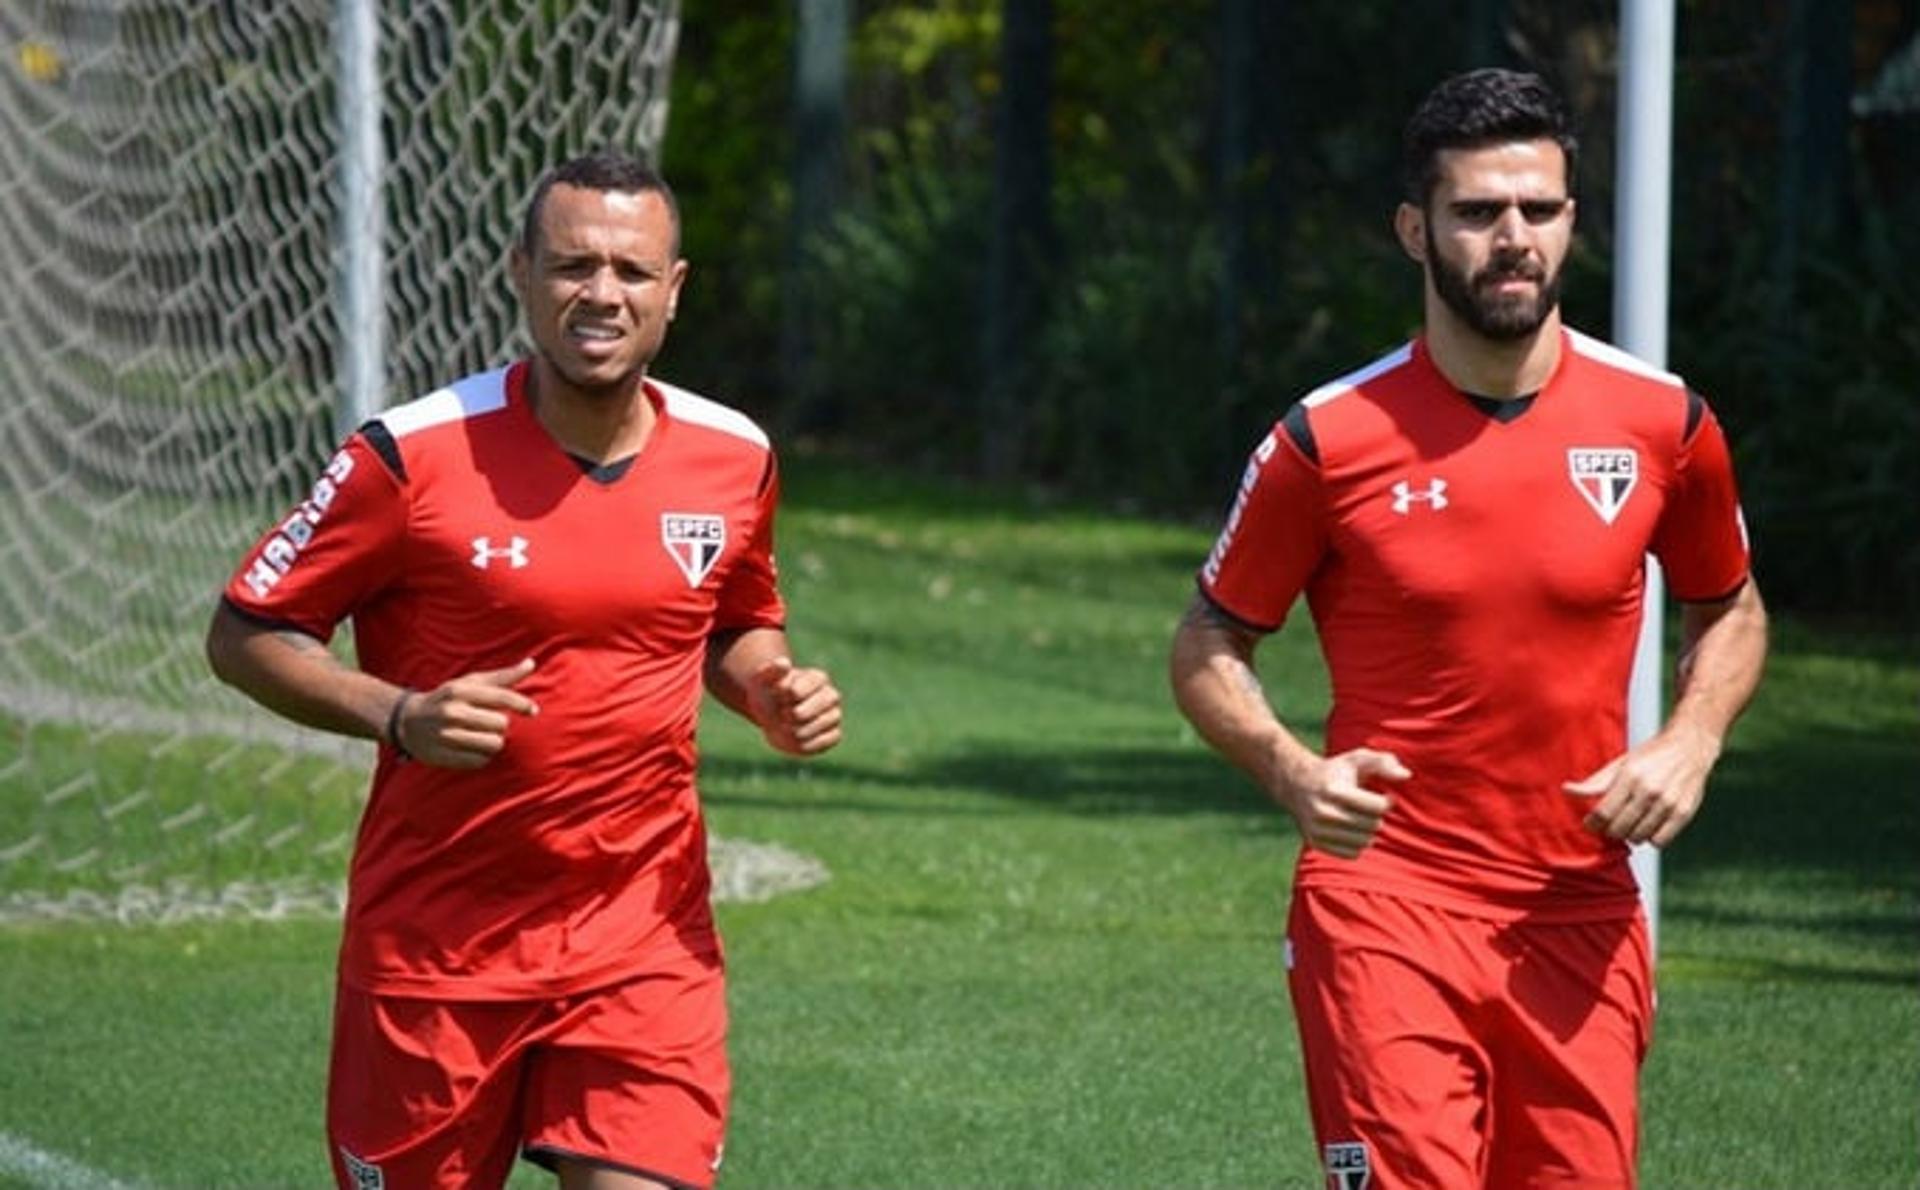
1474,570
458,536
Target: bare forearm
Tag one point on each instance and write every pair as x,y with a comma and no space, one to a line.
1338,802
1651,792
296,677
1723,652
1216,688
733,659
796,707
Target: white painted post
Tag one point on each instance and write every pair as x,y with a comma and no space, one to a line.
1642,190
361,223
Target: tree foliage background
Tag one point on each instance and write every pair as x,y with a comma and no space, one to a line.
1211,238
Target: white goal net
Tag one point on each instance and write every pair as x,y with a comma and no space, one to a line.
175,218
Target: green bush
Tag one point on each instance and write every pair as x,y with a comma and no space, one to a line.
1820,391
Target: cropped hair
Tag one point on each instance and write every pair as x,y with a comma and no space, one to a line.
605,171
1477,109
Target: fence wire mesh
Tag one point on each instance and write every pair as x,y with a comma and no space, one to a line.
171,243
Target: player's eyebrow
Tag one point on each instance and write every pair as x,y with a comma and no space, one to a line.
561,261
1485,210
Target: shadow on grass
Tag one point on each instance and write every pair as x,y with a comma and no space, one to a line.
1680,966
1784,847
1891,926
1819,803
1825,799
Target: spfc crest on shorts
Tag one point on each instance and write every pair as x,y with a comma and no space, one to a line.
1605,476
1347,1166
696,540
362,1175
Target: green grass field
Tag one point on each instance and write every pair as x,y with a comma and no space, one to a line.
1049,953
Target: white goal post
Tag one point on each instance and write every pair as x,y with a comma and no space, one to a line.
1643,189
227,229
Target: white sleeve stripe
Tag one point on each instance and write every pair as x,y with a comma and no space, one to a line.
477,394
692,407
1352,380
1608,354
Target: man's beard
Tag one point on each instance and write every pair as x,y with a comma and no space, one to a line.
1500,319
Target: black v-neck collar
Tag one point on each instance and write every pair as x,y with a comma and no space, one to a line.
1502,410
603,473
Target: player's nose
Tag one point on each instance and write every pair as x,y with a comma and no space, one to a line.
600,287
1511,227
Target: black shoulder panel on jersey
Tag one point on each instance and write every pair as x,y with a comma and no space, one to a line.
1696,413
381,439
1295,424
766,475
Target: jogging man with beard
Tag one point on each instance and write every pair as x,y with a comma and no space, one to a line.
1467,517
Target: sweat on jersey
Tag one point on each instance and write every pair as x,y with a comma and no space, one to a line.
458,536
1474,570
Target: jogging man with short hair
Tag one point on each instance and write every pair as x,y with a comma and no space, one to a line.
543,564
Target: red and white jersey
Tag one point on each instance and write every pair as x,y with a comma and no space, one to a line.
1476,579
458,536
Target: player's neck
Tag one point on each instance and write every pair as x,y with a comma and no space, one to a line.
1494,368
602,426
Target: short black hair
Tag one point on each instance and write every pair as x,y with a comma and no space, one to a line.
609,171
1480,108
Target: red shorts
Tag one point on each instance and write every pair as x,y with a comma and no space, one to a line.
1448,1050
448,1093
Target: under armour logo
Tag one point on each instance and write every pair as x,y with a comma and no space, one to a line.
1404,497
515,552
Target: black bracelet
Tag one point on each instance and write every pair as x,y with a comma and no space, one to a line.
393,726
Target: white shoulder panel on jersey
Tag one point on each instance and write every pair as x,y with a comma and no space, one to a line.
1612,356
1352,380
702,411
483,392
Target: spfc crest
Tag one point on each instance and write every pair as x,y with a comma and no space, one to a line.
1347,1166
1605,476
364,1175
695,539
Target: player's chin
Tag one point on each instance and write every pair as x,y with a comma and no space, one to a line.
598,371
604,378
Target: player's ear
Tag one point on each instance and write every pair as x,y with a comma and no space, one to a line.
677,277
518,270
1410,225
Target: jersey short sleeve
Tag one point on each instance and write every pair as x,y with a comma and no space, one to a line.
1274,536
336,548
751,596
1701,538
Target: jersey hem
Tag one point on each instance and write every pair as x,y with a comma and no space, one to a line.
1617,908
750,624
525,987
1725,595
